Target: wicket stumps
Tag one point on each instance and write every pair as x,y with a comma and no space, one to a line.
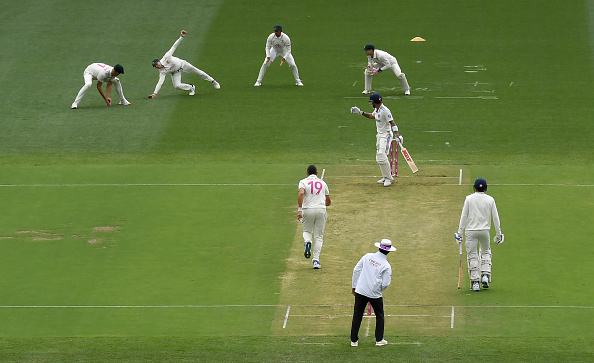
394,158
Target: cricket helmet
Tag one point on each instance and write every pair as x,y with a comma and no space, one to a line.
375,98
155,62
480,184
385,245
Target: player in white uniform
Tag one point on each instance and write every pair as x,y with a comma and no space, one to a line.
378,61
278,44
383,120
169,64
371,276
312,201
475,220
102,73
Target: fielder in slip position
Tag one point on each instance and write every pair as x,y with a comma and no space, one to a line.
383,120
312,200
379,61
479,208
169,64
371,276
278,44
102,73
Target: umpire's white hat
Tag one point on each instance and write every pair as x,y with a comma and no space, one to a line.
385,245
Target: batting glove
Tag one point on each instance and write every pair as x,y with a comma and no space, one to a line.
379,70
398,139
356,110
458,238
499,239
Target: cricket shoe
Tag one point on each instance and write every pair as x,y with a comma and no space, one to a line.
355,344
381,181
125,103
216,84
257,84
381,342
299,83
387,182
307,252
407,92
485,281
74,106
475,286
192,90
316,265
366,92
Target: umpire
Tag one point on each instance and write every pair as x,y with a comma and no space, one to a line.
371,276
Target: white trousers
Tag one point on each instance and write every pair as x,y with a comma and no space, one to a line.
479,261
289,59
188,68
382,149
314,223
88,77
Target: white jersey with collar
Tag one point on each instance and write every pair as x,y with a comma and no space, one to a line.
372,275
170,63
101,72
383,116
281,45
479,208
385,59
316,191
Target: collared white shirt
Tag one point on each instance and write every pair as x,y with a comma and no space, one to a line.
281,45
477,212
383,116
101,72
372,275
384,59
170,63
316,191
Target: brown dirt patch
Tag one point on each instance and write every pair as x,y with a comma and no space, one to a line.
105,229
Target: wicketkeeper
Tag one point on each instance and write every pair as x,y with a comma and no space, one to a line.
479,208
379,61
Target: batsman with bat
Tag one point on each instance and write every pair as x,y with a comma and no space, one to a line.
479,208
385,126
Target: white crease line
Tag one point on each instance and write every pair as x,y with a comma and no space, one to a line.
287,316
452,323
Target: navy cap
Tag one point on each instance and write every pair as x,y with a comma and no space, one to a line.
375,98
480,184
278,27
368,47
118,68
155,62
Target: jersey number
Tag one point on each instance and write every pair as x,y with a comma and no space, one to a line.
317,185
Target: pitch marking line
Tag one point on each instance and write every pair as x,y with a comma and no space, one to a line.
276,306
452,323
287,316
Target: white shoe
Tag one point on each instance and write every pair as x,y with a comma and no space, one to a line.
355,344
74,106
257,84
485,281
299,83
316,264
193,90
475,286
366,92
407,93
381,342
125,103
381,181
216,84
387,182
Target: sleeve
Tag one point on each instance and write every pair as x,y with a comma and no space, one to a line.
384,58
173,48
463,217
386,277
357,272
160,83
268,45
496,221
369,62
287,46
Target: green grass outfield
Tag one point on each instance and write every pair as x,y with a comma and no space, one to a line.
166,231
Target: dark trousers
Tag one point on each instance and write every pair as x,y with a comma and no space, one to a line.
378,307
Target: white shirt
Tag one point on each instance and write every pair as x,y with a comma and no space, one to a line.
281,45
372,275
316,191
381,58
477,212
170,64
383,116
100,72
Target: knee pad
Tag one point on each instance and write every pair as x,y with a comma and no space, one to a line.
367,72
473,261
401,76
381,158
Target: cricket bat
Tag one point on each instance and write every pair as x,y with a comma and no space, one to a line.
460,271
408,159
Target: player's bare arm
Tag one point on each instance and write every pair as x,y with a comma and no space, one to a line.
107,99
152,96
328,201
300,203
183,33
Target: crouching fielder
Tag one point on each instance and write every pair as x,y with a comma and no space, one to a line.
102,73
379,61
383,120
476,216
312,201
278,44
169,64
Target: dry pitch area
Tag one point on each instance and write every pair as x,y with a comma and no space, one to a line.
419,214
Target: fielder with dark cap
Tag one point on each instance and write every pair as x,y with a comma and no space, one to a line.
383,120
278,44
102,73
371,276
479,208
378,61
